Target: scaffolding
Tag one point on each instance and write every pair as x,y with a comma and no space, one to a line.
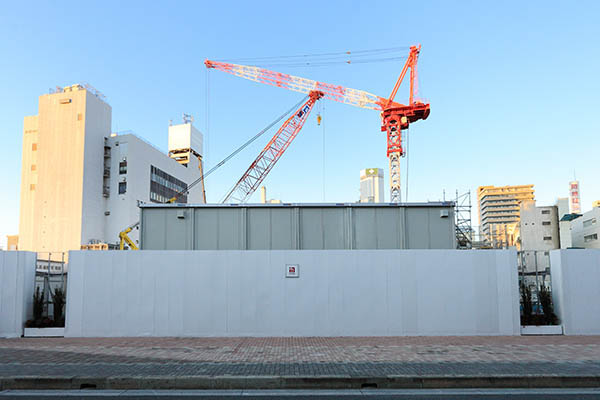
464,229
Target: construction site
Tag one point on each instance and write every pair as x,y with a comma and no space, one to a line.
122,214
95,211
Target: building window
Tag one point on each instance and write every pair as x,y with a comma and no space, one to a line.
79,116
589,222
32,186
164,186
33,167
546,223
590,238
547,237
33,146
123,167
545,212
122,187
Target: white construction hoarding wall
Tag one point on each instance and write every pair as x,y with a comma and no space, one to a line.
336,293
17,279
576,290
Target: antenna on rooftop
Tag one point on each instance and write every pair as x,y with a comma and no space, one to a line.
188,118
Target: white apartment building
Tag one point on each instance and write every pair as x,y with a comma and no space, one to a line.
585,230
371,185
80,184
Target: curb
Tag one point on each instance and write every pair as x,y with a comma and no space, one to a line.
295,382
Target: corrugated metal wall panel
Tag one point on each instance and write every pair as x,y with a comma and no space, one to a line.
281,227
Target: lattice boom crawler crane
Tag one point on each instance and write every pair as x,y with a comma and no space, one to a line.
395,116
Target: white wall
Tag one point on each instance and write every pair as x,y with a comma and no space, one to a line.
576,290
17,280
338,293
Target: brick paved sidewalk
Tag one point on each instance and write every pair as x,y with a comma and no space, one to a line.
360,356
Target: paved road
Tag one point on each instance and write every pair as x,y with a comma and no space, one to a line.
449,394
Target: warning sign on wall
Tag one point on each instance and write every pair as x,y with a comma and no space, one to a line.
292,270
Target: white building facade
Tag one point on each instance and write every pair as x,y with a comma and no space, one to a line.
140,173
585,230
564,223
539,227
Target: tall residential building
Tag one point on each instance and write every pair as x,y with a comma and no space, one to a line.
371,185
574,197
78,182
499,209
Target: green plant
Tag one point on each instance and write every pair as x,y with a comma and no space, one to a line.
549,317
58,299
527,304
38,304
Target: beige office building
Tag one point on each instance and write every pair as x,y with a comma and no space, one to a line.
59,158
499,210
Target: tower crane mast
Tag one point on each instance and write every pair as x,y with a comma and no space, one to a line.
395,117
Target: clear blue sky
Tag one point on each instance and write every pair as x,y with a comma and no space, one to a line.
513,87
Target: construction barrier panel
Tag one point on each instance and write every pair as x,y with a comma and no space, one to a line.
575,277
17,280
292,293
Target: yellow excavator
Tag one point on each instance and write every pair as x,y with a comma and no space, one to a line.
123,238
124,234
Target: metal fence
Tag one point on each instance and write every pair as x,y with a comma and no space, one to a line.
51,273
534,273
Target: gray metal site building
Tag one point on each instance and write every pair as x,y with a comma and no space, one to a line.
297,226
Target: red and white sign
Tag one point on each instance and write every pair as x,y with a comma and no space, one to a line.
292,271
574,200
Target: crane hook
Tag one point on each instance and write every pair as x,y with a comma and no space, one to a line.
319,118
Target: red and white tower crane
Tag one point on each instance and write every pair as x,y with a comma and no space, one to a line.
396,117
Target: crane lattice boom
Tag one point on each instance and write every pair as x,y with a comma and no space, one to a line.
272,152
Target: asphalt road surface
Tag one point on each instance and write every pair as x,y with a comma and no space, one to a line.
422,394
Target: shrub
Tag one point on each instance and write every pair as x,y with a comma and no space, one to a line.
527,305
38,304
549,317
58,299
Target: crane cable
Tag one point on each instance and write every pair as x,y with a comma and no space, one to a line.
358,53
242,147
